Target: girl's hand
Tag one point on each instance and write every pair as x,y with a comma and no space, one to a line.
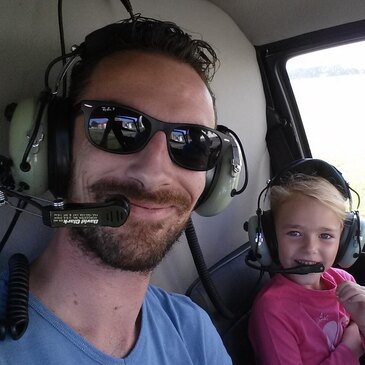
352,297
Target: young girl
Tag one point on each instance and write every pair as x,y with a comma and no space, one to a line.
313,318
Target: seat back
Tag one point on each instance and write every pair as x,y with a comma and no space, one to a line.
237,285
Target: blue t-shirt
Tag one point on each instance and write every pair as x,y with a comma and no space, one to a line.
174,331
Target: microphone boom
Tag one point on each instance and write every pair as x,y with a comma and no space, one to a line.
299,270
111,214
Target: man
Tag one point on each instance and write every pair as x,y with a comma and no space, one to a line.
90,301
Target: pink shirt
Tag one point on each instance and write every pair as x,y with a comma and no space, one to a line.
291,324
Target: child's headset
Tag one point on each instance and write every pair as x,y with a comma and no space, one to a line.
41,137
261,228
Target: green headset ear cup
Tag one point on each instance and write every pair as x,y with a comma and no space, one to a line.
262,238
258,242
21,127
352,240
59,145
220,182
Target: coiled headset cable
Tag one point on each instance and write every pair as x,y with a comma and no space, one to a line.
17,317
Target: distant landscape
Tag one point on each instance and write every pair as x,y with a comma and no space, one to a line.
333,70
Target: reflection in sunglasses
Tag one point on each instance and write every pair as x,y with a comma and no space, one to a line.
131,123
179,136
99,123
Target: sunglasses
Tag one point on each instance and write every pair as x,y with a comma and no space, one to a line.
123,130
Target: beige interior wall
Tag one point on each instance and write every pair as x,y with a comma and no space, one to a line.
29,40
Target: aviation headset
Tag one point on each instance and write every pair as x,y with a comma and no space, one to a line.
261,228
41,138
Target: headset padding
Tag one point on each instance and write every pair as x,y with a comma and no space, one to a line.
60,127
268,229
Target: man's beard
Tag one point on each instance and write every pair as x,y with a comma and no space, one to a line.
137,246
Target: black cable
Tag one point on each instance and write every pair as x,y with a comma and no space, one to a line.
18,295
45,96
21,204
204,273
128,6
207,281
60,27
358,198
27,199
62,43
52,63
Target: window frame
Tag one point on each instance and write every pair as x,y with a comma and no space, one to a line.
280,98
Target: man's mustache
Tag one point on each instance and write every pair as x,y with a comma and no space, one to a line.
104,189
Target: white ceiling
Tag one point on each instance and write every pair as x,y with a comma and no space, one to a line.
266,21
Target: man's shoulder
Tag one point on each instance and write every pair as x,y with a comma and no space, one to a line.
173,304
184,325
173,312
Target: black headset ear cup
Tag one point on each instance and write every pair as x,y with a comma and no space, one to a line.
268,227
351,240
262,238
60,127
221,181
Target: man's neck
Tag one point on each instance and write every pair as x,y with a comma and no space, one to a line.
102,304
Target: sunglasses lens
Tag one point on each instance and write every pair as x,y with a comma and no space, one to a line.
117,129
195,148
121,130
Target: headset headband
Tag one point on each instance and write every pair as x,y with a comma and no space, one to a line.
314,167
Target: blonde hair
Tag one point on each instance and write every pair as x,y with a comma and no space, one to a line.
312,186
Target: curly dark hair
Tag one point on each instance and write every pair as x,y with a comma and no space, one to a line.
144,34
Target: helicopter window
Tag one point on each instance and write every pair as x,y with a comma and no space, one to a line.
329,89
